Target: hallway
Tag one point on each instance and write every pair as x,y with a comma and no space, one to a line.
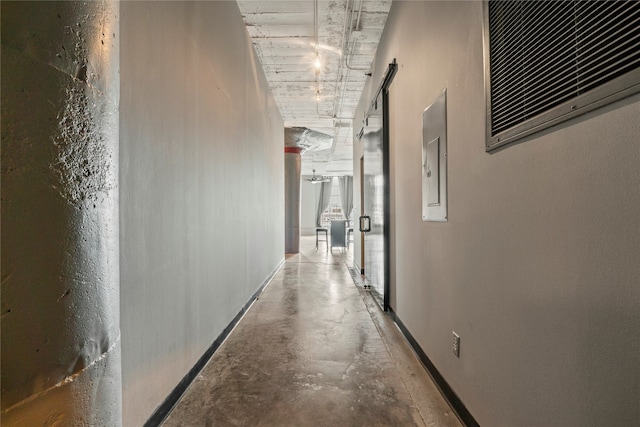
313,350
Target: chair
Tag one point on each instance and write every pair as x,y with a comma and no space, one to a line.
349,233
338,233
326,236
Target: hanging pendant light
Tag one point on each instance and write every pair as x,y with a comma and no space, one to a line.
316,179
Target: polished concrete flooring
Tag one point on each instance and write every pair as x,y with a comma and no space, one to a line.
314,350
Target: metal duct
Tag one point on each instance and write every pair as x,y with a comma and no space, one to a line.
307,139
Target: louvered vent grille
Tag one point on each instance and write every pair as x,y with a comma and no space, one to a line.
545,53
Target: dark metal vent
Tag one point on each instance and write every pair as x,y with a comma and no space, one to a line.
547,58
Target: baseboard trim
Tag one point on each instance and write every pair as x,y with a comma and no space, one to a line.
447,392
162,411
357,268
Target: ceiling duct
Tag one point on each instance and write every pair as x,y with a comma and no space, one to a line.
307,139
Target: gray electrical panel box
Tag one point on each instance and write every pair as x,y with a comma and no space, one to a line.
434,160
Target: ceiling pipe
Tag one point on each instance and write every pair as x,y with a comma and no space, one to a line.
359,14
353,44
346,52
342,53
317,42
344,89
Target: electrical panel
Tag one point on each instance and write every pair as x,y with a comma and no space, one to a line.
434,160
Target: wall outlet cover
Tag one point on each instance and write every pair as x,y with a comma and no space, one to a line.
456,344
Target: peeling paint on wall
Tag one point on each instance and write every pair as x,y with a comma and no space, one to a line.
60,259
84,164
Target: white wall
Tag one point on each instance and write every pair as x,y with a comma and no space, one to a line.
537,269
202,188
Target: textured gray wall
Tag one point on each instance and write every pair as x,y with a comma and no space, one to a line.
537,269
60,301
202,188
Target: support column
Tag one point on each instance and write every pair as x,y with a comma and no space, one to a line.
292,166
60,253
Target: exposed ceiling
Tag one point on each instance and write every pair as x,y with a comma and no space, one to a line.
288,36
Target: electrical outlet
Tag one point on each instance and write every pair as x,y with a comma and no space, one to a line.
456,344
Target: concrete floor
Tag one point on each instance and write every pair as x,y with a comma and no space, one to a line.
314,350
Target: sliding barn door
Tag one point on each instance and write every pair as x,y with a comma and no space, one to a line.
374,200
374,221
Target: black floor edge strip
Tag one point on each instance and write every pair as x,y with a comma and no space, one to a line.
162,411
447,392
